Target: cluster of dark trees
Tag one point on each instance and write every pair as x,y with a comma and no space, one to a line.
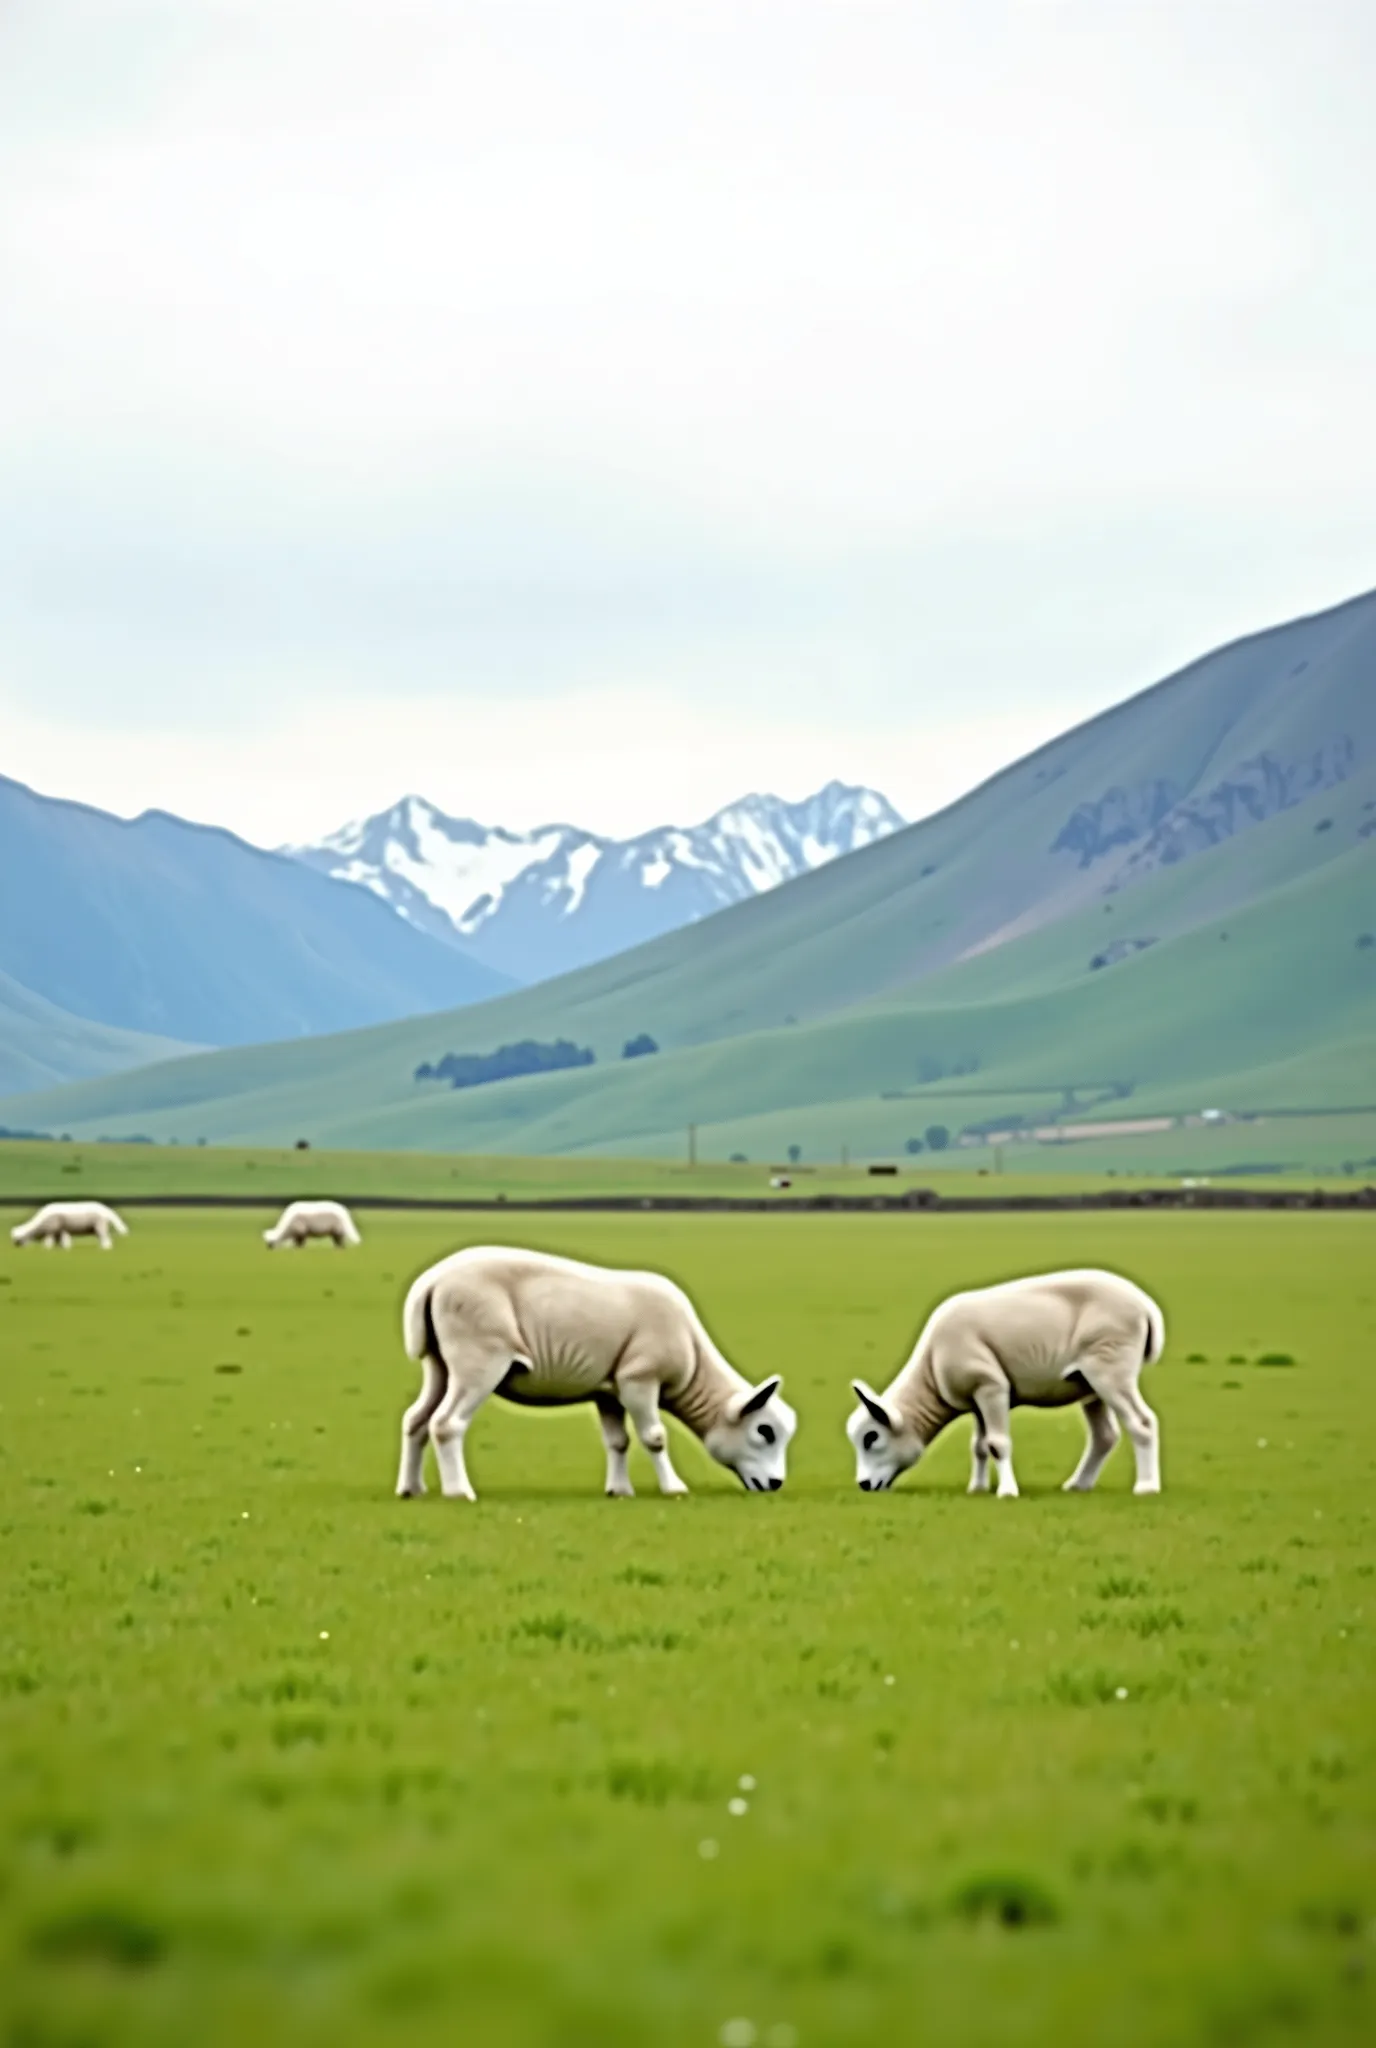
527,1056
937,1139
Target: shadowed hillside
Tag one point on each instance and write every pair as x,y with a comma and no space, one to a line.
157,925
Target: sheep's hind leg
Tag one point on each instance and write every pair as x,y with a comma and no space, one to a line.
415,1427
1102,1427
471,1380
611,1417
1116,1386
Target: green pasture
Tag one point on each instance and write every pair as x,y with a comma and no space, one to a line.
41,1170
285,1760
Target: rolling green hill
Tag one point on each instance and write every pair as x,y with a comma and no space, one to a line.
1172,895
41,1044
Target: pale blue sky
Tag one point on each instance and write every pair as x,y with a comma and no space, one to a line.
598,411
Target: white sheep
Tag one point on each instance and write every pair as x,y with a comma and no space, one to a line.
1044,1341
545,1331
57,1223
300,1220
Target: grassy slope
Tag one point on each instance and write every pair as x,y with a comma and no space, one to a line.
473,1807
895,924
1194,1007
42,1046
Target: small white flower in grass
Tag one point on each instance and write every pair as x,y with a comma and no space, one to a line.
1261,1443
888,1678
738,2034
1015,1644
737,1807
1120,1692
324,1635
244,1516
746,1782
709,1850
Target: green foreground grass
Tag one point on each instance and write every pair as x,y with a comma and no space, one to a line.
284,1759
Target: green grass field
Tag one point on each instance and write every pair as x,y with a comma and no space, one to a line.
40,1171
285,1760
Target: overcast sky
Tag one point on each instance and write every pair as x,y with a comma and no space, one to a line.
595,411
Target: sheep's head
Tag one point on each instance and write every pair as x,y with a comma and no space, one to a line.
884,1445
753,1439
19,1234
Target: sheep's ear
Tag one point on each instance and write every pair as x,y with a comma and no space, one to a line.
759,1397
870,1400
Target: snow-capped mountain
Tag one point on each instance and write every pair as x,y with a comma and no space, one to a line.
533,904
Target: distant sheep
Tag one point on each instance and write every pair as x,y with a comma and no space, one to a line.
547,1332
1042,1342
300,1220
57,1223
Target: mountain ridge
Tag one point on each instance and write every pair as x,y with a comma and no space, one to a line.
160,924
955,929
538,903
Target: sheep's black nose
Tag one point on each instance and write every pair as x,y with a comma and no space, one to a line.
865,1485
774,1485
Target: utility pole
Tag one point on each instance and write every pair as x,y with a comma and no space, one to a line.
845,1155
692,1145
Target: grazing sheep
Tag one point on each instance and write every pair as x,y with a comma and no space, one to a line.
544,1331
1044,1341
300,1220
57,1223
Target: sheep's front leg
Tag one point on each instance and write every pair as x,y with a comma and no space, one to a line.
641,1401
979,1460
1102,1427
612,1418
991,1406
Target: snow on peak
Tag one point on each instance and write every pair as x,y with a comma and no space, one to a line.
521,901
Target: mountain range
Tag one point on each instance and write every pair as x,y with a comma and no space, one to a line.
158,929
535,904
1174,903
